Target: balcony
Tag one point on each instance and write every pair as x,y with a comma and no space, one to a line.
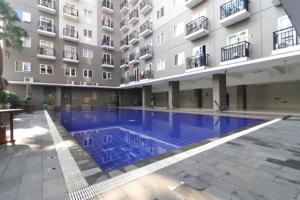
134,38
134,17
107,63
70,35
192,3
145,7
234,11
47,6
238,52
198,62
146,29
46,53
70,56
124,8
124,43
107,6
124,25
132,2
276,2
70,13
124,63
285,40
148,74
107,25
146,52
108,44
46,29
134,58
197,29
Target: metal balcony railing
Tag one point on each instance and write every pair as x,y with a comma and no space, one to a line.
70,33
124,61
107,42
47,3
124,22
197,61
134,13
134,35
197,24
233,7
144,3
148,74
107,4
73,55
107,61
238,50
285,38
70,10
146,26
123,4
146,50
46,51
124,41
46,26
134,56
108,23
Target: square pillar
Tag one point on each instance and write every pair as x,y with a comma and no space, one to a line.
219,92
146,95
173,93
58,97
198,98
241,95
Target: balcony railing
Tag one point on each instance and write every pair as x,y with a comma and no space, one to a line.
70,10
133,35
107,4
196,25
46,51
72,55
134,56
47,3
145,3
124,41
238,50
146,26
124,61
123,4
107,61
70,33
107,42
123,23
233,7
285,38
146,50
197,61
148,74
134,13
46,26
108,23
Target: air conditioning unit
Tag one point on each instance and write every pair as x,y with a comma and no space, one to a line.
71,82
28,79
95,84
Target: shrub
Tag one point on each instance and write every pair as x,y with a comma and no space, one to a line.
10,97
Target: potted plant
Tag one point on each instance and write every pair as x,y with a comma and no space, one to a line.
49,102
112,101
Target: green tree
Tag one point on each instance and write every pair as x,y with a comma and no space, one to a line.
11,35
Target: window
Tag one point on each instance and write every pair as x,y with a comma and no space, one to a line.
148,67
26,42
179,59
148,43
88,53
160,12
22,66
24,16
237,37
160,39
88,33
87,73
87,13
106,75
46,69
178,29
161,65
70,71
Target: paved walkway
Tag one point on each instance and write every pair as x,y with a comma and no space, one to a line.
263,165
30,170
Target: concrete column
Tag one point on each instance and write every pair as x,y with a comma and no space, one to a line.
219,91
198,98
58,97
173,97
146,95
241,95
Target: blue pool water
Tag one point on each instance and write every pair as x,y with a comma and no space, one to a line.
120,137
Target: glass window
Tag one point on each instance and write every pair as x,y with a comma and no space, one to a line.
19,66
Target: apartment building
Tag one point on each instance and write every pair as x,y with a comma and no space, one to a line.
185,53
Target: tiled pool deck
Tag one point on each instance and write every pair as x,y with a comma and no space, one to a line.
263,165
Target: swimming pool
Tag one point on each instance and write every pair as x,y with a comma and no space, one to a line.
119,137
